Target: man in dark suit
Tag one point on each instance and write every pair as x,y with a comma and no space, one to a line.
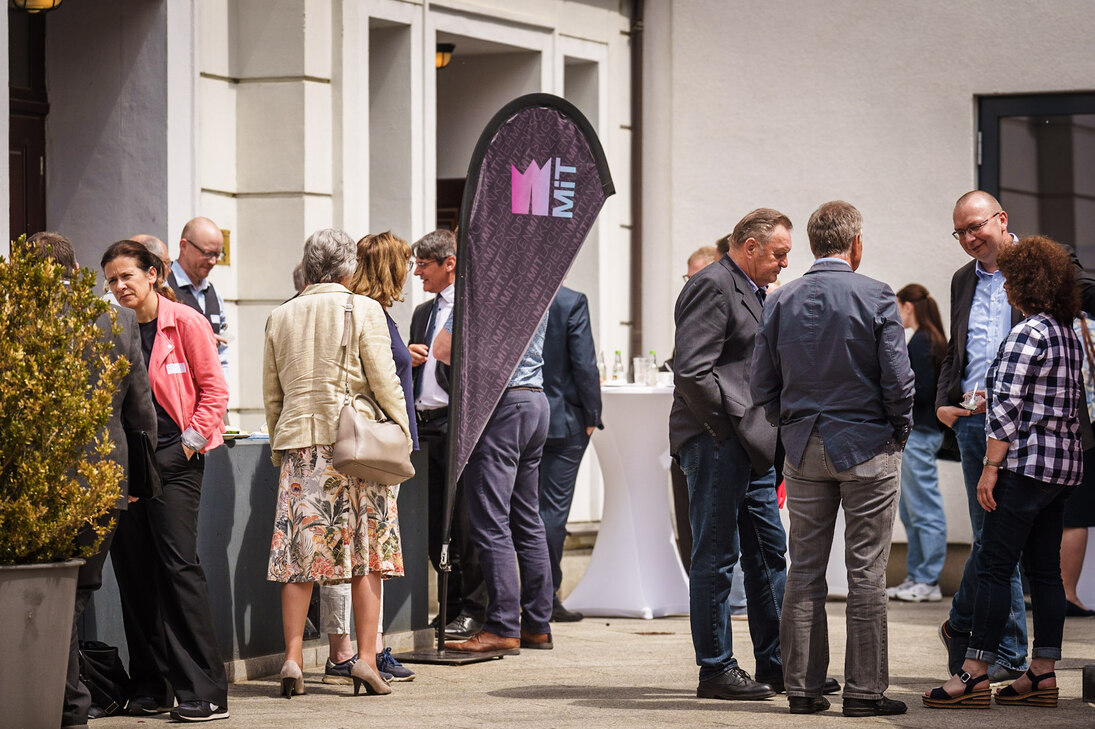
830,367
573,389
132,409
980,320
726,451
435,265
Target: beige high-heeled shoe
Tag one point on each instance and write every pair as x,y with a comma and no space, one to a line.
292,679
374,684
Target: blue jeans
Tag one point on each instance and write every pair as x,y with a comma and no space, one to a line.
921,507
1012,651
1027,523
730,506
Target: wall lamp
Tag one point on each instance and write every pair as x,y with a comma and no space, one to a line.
444,54
34,6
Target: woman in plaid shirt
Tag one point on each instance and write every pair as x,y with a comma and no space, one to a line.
1033,458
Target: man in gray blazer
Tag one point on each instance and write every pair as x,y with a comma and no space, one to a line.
830,367
132,409
726,451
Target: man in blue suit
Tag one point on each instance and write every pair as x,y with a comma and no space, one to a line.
573,389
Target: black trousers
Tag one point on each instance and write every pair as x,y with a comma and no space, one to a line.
88,580
467,590
165,601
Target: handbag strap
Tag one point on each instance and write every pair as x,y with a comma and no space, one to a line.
348,398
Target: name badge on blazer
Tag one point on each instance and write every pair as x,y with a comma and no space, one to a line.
176,368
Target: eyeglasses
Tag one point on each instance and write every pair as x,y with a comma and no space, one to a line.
975,228
422,262
208,255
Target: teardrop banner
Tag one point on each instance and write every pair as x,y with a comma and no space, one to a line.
536,183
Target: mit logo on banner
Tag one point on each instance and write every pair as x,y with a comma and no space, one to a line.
533,189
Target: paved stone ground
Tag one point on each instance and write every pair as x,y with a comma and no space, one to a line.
609,672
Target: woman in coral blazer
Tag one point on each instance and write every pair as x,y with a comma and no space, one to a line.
173,649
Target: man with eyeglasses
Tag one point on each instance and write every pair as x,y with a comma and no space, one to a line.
435,266
200,247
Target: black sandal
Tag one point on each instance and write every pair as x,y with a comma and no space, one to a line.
1046,697
970,698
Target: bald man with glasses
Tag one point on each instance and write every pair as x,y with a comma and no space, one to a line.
201,246
980,320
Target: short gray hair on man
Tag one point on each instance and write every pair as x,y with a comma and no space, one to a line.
435,246
330,255
298,278
758,224
833,227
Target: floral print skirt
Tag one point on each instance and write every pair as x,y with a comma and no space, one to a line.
329,527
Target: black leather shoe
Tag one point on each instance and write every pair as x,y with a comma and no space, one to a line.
560,614
831,685
462,627
807,704
735,684
873,707
956,643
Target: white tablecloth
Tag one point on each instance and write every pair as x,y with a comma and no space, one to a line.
634,570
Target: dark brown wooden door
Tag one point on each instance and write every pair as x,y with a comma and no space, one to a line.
28,109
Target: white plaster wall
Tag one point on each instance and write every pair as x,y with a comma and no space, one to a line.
791,103
106,133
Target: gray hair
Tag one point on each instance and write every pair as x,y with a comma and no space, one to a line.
757,224
329,256
833,227
299,283
435,246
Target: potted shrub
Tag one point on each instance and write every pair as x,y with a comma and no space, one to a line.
56,381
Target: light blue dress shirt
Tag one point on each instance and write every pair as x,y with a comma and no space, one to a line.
530,370
989,324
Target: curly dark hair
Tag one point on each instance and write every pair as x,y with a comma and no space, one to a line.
1040,278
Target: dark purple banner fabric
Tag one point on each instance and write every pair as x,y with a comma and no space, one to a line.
535,185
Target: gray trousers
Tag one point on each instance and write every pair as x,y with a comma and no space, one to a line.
868,494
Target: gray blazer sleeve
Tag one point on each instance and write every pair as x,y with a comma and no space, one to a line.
893,358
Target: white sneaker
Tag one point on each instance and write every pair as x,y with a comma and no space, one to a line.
891,592
920,592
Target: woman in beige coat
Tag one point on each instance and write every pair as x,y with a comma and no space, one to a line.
328,527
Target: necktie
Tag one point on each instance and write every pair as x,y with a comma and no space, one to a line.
429,343
761,293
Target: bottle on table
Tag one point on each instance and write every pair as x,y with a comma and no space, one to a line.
619,374
601,369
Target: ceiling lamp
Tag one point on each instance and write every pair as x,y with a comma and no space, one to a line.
444,54
34,6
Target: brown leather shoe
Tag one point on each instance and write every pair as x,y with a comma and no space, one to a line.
485,642
536,641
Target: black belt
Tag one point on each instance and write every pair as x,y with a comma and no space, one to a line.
425,416
524,387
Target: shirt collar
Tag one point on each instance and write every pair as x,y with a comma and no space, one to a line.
184,280
448,292
743,273
831,259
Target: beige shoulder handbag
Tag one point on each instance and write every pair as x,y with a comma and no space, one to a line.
373,450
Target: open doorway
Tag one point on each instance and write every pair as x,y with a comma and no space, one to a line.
481,77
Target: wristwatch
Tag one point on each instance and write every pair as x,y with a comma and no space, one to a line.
995,464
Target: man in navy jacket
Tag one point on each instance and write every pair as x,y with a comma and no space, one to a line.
573,389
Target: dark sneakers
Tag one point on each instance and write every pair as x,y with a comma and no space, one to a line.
873,707
145,706
339,673
733,685
387,664
198,711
